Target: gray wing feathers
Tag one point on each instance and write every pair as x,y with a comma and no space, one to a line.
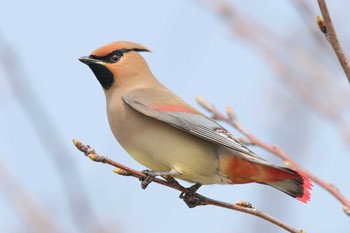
196,124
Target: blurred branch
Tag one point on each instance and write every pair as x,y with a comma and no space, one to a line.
121,169
50,137
332,38
304,9
252,140
307,78
35,218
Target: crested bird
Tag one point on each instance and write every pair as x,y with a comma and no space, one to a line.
171,138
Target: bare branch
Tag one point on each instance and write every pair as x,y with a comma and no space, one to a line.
329,31
241,206
233,121
316,80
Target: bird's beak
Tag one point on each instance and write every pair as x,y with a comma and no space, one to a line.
88,60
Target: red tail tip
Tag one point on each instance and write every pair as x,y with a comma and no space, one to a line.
307,186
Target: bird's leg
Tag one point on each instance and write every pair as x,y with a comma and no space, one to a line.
171,180
189,198
152,174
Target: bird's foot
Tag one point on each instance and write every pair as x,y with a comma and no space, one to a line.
189,196
146,181
152,174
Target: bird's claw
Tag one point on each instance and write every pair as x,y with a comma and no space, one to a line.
147,180
189,196
190,200
152,174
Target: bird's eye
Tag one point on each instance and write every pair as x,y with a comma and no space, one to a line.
115,58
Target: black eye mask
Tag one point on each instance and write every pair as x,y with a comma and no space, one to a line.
118,52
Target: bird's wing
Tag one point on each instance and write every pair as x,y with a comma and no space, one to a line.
169,108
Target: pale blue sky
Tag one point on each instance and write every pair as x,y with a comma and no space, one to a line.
194,53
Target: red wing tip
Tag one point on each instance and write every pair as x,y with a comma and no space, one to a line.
307,186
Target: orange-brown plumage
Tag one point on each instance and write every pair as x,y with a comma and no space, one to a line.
106,49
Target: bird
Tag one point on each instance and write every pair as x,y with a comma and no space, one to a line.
170,137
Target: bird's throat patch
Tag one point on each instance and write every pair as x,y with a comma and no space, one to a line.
103,75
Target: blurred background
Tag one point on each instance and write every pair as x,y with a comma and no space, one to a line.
267,59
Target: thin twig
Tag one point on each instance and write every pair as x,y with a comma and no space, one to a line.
233,121
316,81
332,38
121,169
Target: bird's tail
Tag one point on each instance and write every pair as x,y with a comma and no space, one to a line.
291,182
295,184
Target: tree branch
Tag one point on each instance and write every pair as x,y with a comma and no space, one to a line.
327,28
233,121
315,80
121,169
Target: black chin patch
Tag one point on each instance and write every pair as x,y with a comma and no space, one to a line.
103,75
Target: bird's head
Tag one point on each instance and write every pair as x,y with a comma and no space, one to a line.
116,62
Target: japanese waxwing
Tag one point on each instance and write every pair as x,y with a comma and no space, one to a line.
170,137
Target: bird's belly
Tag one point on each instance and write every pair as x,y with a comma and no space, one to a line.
161,147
